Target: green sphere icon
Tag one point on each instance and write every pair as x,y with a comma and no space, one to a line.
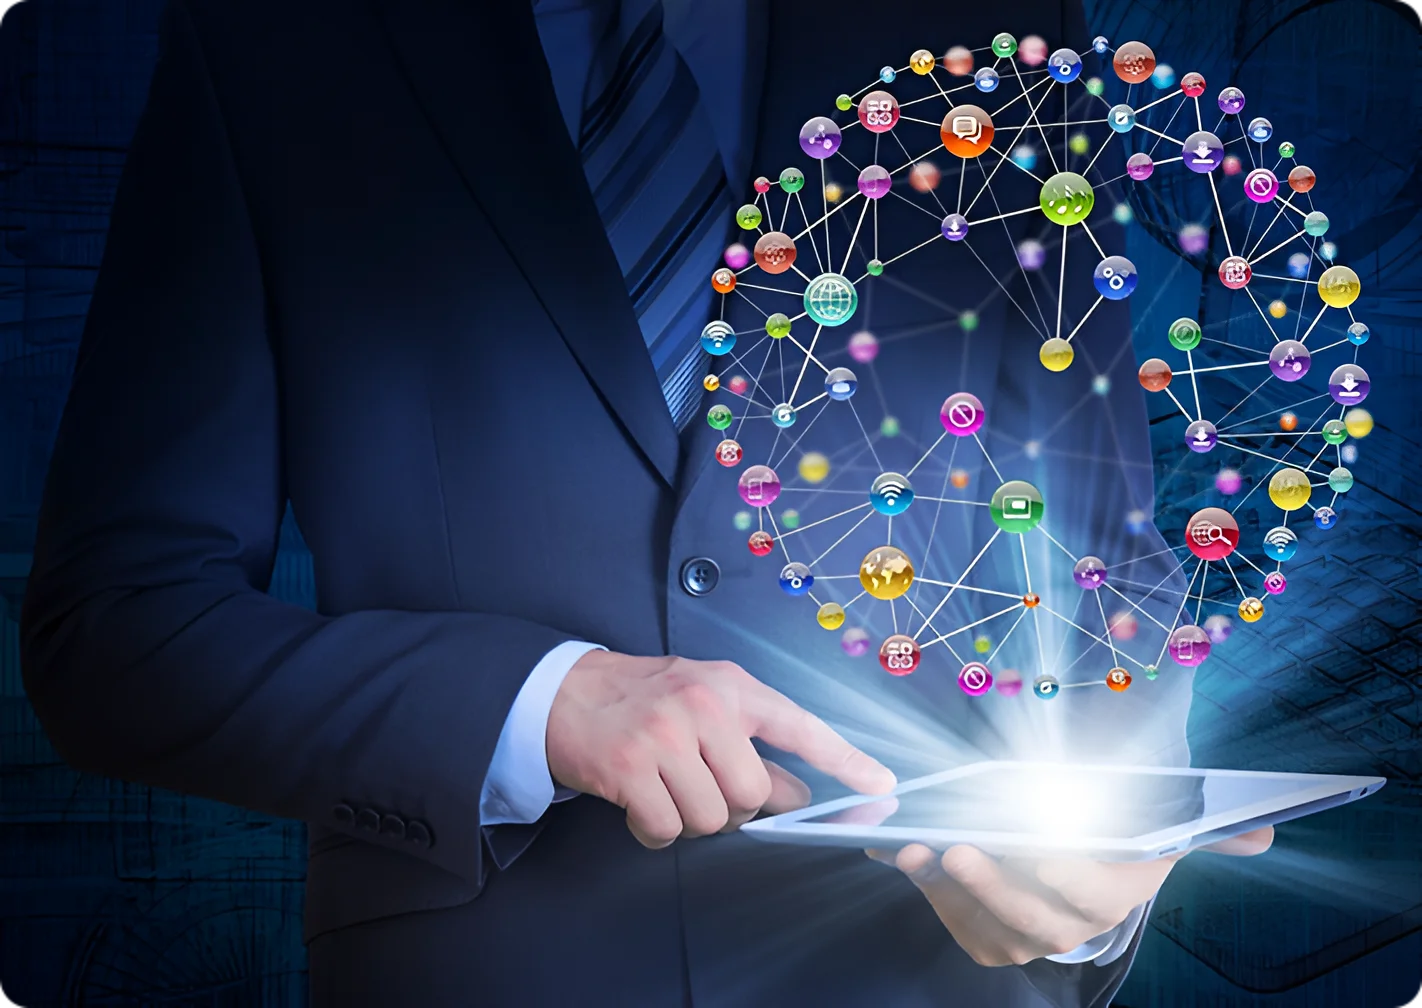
1003,45
1335,432
1017,506
1184,334
1067,198
830,299
792,180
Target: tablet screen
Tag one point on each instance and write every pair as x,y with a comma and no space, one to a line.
1114,805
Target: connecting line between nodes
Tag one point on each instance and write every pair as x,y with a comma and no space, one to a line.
965,629
1178,612
955,586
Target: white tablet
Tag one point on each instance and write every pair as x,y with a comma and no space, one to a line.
1106,813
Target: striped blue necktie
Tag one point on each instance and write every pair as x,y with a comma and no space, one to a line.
655,171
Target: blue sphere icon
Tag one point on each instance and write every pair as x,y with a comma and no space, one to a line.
718,338
830,299
1100,43
783,415
1298,265
1046,687
1358,333
1260,129
1121,118
840,384
796,579
1325,517
1280,543
986,79
1064,65
891,494
1115,278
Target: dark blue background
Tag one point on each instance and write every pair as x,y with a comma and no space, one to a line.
115,894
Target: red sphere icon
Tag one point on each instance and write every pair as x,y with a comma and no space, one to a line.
729,453
1212,533
899,654
760,543
1235,272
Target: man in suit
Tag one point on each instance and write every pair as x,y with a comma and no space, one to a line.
431,271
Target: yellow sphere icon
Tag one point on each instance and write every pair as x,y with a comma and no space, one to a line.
1359,422
830,616
886,573
1056,354
814,467
1278,309
922,62
1251,609
1289,489
711,383
1339,286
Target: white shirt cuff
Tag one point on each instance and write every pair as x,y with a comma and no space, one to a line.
1106,948
519,787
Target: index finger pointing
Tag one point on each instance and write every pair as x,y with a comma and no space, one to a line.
779,721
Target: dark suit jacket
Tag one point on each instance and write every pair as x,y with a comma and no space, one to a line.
354,266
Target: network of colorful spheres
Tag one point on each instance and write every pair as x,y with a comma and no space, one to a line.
828,297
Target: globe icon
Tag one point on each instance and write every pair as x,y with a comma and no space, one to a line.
830,299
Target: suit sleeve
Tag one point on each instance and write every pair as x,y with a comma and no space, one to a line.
150,649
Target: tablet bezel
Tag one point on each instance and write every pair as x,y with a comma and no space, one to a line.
1315,793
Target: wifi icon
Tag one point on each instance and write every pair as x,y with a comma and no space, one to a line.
891,494
1280,543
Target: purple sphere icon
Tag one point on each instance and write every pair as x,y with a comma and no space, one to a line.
1202,152
1201,436
1188,645
1089,572
1289,360
1275,583
759,486
1231,101
874,182
962,414
820,137
955,227
1348,384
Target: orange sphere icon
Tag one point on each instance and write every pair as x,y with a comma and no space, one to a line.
1118,679
1154,375
1288,421
959,60
775,252
967,131
1031,601
723,281
1134,62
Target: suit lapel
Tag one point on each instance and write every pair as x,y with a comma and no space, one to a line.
479,74
726,55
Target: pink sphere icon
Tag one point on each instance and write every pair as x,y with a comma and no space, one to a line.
975,679
1261,185
759,486
863,346
1188,645
962,414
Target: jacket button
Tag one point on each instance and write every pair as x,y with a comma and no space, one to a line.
343,814
418,834
367,819
392,826
700,575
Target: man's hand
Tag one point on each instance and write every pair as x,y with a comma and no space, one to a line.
1016,910
669,740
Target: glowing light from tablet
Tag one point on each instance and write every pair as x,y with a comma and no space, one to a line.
1062,802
